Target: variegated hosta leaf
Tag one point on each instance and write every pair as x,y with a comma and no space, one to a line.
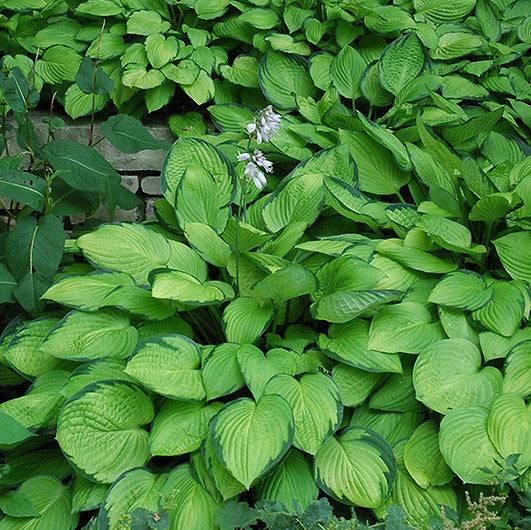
100,429
517,377
222,360
354,385
82,336
466,446
246,319
356,467
87,495
290,481
448,375
314,401
250,437
169,365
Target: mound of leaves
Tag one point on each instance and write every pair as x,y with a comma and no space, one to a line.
313,340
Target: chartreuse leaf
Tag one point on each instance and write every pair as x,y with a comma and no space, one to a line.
169,365
23,352
346,71
462,290
82,336
423,458
250,437
314,401
51,502
518,370
180,427
407,327
504,311
222,360
514,253
437,12
38,408
466,446
356,467
208,243
285,284
187,289
258,369
290,481
294,79
402,61
354,385
246,319
190,152
348,343
136,250
448,375
509,428
100,429
87,495
12,432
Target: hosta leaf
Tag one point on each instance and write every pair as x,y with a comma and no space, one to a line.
169,365
354,385
518,370
290,481
187,289
250,437
244,71
294,79
504,312
407,327
514,253
402,61
466,446
437,12
462,290
509,428
348,343
346,70
23,352
448,375
187,152
343,306
100,429
356,467
207,242
81,336
246,319
58,64
423,458
180,427
314,401
258,369
51,501
284,284
222,360
12,432
87,495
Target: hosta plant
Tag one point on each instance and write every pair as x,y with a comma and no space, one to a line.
351,326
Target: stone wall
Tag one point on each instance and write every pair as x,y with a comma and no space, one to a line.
140,171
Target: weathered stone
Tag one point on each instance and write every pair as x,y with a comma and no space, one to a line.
150,210
151,186
131,182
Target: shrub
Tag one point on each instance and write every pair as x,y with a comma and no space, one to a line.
316,337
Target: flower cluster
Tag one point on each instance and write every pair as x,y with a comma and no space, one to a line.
263,128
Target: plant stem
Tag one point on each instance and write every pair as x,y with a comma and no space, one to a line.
238,222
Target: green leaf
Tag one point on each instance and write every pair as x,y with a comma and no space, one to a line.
22,187
7,285
462,290
401,62
100,429
17,504
146,23
180,427
437,12
348,343
283,76
285,284
137,76
169,365
223,359
509,428
78,104
407,327
518,370
243,72
356,467
346,70
250,437
513,251
423,458
258,369
161,50
314,401
51,503
58,64
24,353
354,385
92,79
290,482
448,375
82,336
129,135
12,432
87,495
245,319
466,446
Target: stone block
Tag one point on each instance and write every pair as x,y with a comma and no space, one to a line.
151,186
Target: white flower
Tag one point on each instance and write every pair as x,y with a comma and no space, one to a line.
262,161
265,125
255,175
243,157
